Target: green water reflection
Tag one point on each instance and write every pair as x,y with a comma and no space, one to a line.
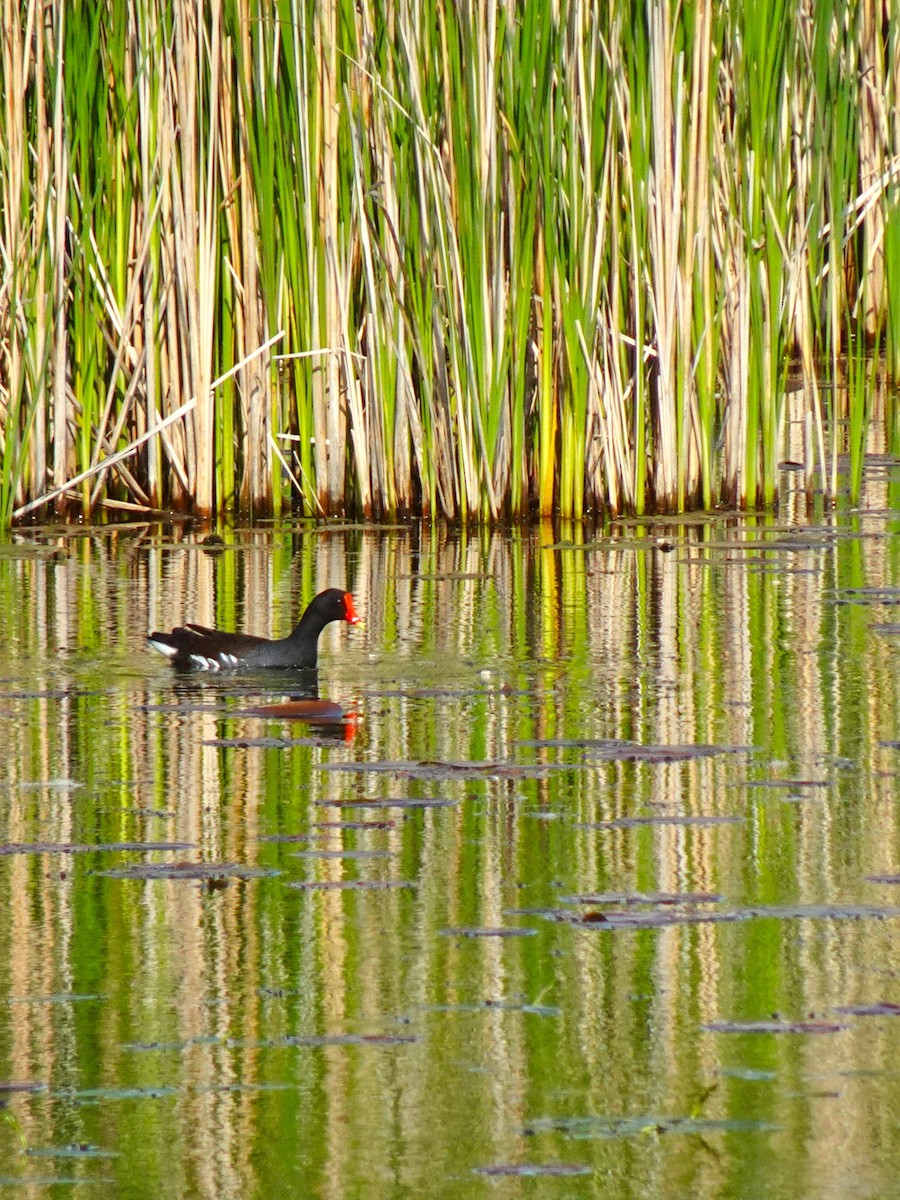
465,996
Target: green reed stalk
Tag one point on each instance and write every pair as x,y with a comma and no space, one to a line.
89,218
892,203
765,34
13,182
700,320
579,247
147,89
839,184
860,391
892,286
629,44
279,140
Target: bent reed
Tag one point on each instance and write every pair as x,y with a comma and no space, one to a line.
467,259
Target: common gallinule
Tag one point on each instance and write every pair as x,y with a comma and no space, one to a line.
196,648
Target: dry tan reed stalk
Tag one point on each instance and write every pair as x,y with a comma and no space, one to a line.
735,341
185,226
872,151
630,387
62,441
148,275
664,203
327,392
208,178
257,493
545,396
196,195
174,369
696,260
357,415
800,304
37,443
12,235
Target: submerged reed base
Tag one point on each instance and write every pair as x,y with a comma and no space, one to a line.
449,259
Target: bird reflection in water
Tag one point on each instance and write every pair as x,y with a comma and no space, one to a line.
328,720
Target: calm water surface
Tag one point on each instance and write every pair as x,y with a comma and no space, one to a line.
606,806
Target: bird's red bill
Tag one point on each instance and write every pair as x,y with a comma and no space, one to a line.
350,614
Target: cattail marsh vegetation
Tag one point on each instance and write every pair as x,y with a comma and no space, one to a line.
458,259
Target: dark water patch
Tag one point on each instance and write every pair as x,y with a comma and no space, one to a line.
482,1006
93,1095
827,912
10,551
342,854
630,898
624,751
183,709
656,919
546,913
561,1170
487,931
856,1073
350,885
50,785
283,837
783,783
773,1026
299,710
389,802
77,1150
188,870
742,547
423,693
889,628
445,575
667,754
215,1088
317,825
891,879
637,822
570,743
768,567
45,1181
606,1128
441,770
866,596
752,1074
75,847
57,998
258,743
8,1086
636,919
883,1009
324,1039
178,1047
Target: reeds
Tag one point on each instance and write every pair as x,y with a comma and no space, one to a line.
519,258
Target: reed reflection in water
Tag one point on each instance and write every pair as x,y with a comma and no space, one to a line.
417,951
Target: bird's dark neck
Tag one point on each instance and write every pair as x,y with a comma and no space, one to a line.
309,626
